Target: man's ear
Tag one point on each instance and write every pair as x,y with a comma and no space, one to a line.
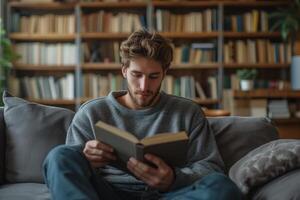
124,71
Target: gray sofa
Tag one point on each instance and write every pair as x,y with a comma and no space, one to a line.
28,131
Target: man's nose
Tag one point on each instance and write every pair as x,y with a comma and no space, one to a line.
144,83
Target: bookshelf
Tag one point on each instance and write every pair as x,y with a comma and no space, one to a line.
226,26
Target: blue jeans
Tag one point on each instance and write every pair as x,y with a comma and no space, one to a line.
69,175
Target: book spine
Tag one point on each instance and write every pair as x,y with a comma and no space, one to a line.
139,152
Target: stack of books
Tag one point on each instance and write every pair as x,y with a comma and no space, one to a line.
278,109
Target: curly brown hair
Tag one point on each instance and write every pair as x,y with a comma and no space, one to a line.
143,43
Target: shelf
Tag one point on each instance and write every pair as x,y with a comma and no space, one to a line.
117,66
232,3
101,66
206,101
53,101
111,36
42,37
191,35
184,4
29,67
42,6
194,66
252,35
257,65
267,93
113,5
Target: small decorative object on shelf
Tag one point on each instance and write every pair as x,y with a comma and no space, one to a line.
247,77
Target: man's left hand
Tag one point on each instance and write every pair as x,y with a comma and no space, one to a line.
161,177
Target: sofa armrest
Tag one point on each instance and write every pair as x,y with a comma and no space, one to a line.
236,136
2,146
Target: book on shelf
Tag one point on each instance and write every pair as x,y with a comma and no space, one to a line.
170,147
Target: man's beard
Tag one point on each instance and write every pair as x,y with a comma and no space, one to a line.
144,104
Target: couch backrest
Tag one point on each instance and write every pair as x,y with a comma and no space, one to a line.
236,136
2,145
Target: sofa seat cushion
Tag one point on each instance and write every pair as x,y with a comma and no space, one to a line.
24,191
284,187
32,130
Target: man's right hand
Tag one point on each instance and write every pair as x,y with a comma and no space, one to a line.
98,153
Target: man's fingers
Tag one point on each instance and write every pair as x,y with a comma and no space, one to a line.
156,161
95,144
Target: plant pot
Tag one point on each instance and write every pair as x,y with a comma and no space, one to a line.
246,85
295,73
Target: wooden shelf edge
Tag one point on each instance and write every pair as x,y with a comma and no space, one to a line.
189,35
113,5
39,37
256,65
29,67
42,5
267,93
231,34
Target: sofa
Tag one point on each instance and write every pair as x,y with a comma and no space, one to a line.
28,131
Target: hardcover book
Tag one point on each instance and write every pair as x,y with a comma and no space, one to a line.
171,147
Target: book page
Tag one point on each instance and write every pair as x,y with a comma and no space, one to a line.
164,138
116,131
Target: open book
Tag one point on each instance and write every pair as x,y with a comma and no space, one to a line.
171,147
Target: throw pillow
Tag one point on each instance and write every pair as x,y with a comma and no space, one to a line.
32,130
266,163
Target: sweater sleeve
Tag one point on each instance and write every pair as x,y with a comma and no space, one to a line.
81,129
203,155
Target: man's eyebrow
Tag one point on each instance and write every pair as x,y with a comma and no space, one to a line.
153,73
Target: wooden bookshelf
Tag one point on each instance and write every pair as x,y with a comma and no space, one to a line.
28,67
42,6
259,65
42,37
112,5
267,93
217,36
249,35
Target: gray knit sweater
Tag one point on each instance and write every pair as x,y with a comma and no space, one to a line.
169,114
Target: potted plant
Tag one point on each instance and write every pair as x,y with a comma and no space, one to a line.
287,21
246,77
7,55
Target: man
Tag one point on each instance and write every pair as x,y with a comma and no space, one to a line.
81,169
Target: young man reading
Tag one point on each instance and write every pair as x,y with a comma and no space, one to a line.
81,169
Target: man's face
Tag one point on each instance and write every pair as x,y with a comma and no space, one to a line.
144,77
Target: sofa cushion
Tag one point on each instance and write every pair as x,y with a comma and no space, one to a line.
284,187
24,191
266,163
236,136
2,146
31,131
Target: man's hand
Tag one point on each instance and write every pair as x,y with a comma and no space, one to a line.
160,178
98,153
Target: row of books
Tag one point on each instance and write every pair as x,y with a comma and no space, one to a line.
112,22
43,24
188,87
274,109
46,54
257,51
205,21
252,21
95,85
195,53
45,87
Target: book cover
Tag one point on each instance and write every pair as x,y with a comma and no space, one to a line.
171,147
